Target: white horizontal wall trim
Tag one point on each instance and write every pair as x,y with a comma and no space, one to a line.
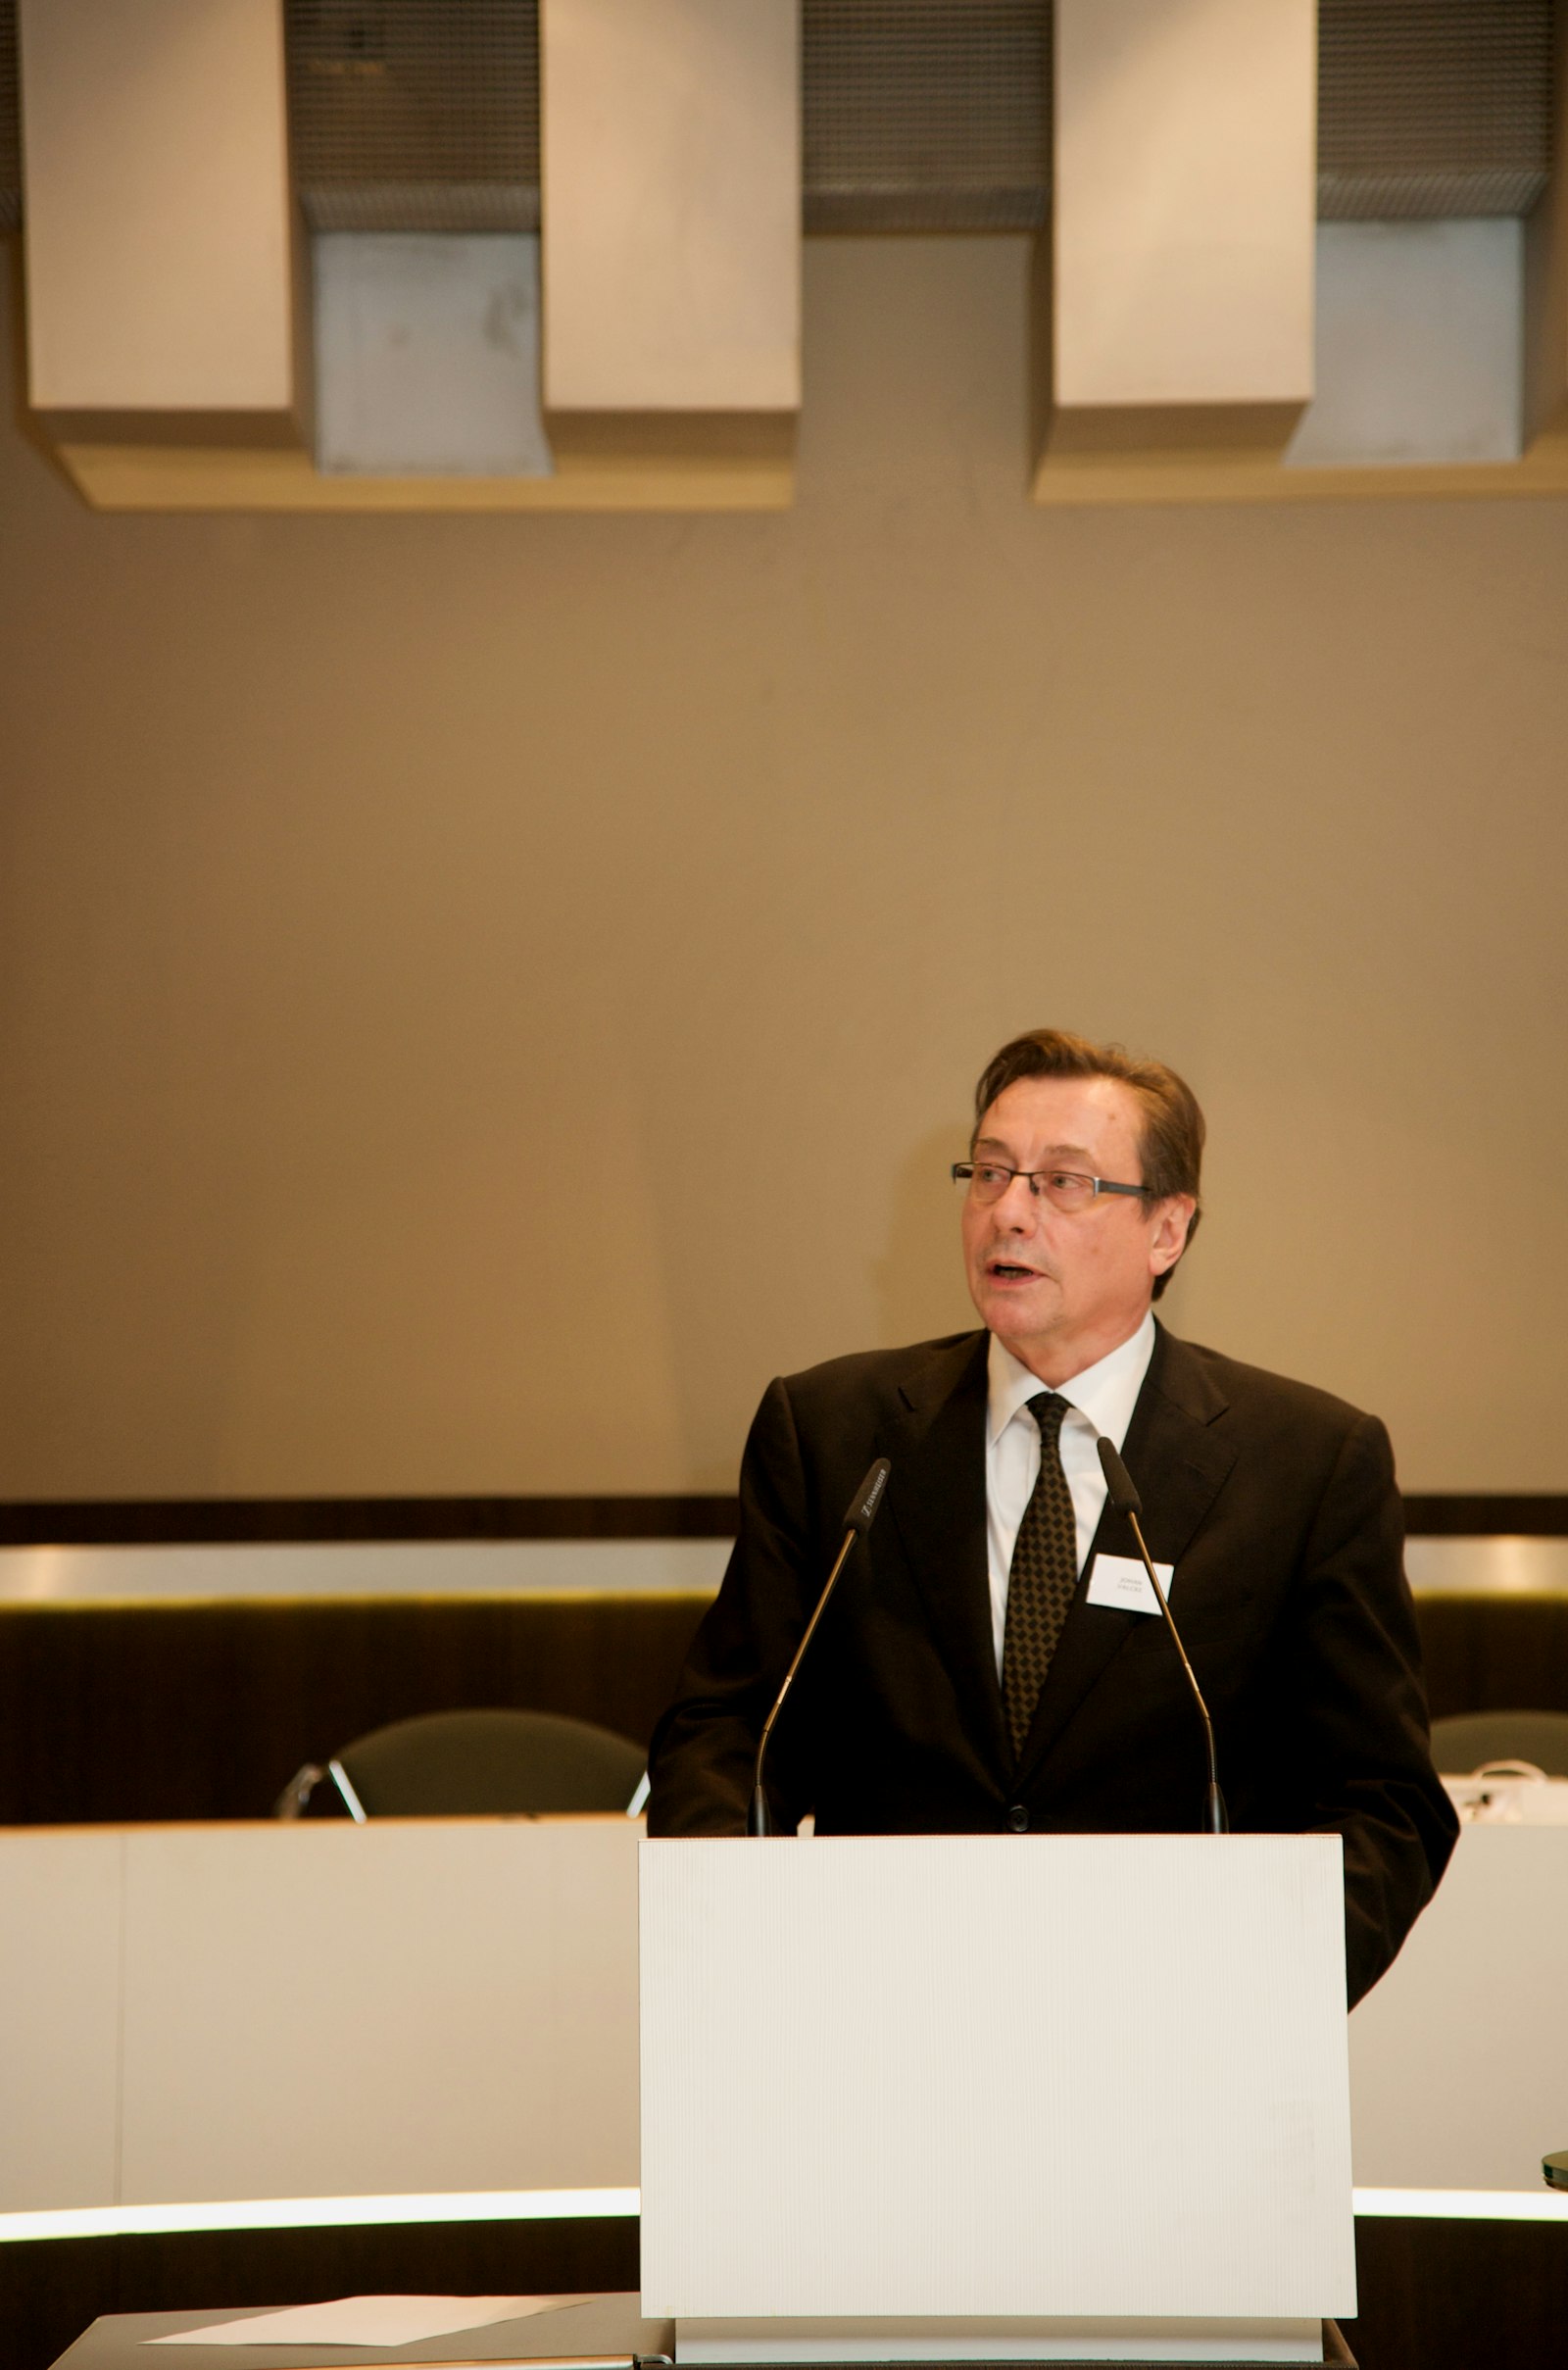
1503,1566
1500,1566
440,1567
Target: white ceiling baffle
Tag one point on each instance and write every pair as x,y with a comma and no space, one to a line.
670,198
1177,314
161,265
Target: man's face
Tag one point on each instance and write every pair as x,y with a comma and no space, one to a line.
1062,1289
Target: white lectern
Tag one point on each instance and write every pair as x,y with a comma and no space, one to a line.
1008,2099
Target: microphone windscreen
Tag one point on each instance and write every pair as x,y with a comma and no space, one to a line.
1119,1481
867,1498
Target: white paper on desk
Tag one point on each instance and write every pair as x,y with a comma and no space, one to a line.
370,2320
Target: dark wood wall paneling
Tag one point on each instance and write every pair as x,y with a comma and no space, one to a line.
182,1710
195,1521
1494,1653
205,1711
198,1711
238,1521
53,2289
1434,2296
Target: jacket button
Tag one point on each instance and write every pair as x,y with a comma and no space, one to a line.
1018,1818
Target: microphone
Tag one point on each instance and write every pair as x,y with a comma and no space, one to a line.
863,1510
1126,1501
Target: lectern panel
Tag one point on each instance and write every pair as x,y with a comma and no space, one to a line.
1027,2076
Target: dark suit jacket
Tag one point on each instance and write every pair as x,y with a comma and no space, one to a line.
1275,1502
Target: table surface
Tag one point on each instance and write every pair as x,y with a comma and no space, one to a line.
609,2324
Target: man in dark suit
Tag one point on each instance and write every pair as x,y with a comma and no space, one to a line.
993,1659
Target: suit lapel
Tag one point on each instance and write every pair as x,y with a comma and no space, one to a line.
936,1502
1178,1457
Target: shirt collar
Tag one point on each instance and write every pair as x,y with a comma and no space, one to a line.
1106,1393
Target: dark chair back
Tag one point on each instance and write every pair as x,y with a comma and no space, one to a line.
1472,1739
468,1764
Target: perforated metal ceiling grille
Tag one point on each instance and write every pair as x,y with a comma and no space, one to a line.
1433,106
919,114
10,122
926,114
415,114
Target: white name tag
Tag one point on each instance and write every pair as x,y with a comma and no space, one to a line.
1121,1582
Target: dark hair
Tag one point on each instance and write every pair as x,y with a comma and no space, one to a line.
1172,1143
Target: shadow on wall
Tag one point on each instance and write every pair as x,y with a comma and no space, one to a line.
12,297
918,1281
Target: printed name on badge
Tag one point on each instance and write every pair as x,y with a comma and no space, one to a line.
1121,1582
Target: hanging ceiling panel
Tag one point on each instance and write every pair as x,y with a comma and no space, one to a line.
919,114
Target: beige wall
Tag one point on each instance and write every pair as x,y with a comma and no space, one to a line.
478,995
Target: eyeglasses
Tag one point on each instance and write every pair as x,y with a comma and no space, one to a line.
1062,1188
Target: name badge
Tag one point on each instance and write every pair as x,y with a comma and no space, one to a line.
1121,1582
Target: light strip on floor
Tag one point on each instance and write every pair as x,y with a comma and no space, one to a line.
323,2213
604,2204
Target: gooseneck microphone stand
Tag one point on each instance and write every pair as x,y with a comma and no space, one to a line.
856,1522
1126,1501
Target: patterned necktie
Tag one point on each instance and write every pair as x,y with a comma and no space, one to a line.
1041,1578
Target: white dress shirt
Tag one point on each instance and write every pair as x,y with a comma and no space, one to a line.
1099,1399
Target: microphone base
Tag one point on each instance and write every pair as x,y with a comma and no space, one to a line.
758,1819
1216,1818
